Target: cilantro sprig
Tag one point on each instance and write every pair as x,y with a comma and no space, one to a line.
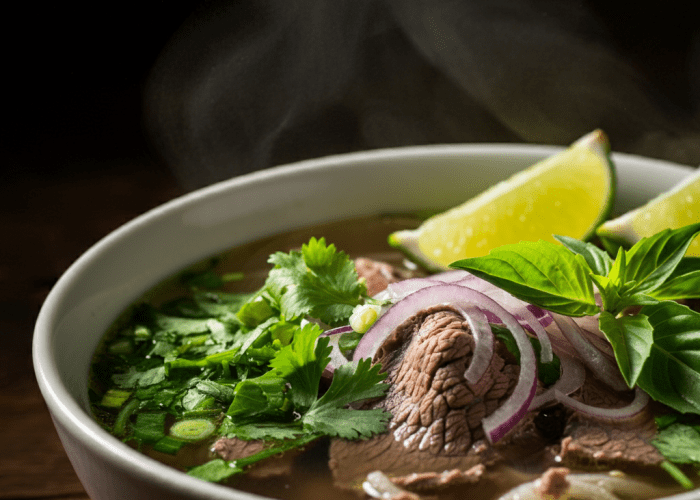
658,348
317,281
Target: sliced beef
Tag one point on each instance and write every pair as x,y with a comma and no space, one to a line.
233,449
435,439
436,424
378,274
594,443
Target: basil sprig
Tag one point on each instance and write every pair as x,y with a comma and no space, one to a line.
658,348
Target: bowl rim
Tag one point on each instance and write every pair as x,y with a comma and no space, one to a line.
67,412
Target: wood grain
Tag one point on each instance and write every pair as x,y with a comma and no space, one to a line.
47,222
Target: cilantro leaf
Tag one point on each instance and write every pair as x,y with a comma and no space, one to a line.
541,273
598,260
318,281
683,283
651,260
264,395
215,471
218,469
301,363
138,378
352,382
346,423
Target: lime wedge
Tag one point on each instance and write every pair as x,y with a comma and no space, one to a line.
569,194
675,208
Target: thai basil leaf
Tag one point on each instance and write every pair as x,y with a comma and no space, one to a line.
651,260
683,283
598,260
541,273
609,291
631,338
671,375
637,299
617,272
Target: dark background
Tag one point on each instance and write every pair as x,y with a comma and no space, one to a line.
76,164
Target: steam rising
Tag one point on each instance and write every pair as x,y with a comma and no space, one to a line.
247,85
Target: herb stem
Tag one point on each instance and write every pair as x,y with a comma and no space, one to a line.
276,450
677,474
119,428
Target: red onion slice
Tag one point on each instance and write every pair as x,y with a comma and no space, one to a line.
573,375
400,289
337,357
603,369
641,399
520,310
452,276
483,343
336,331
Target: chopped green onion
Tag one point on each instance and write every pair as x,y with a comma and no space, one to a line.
150,427
193,430
169,445
142,332
114,398
122,346
232,277
119,428
364,316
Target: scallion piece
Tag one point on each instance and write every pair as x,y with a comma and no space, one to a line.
122,419
114,398
194,429
122,346
150,427
169,445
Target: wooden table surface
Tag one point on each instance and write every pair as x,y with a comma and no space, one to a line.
48,220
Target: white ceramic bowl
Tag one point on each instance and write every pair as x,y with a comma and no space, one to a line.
129,261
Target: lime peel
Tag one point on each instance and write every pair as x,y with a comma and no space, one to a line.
569,193
672,209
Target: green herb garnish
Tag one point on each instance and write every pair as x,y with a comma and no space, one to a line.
242,365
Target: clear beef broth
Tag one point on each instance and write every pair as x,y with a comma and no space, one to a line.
310,475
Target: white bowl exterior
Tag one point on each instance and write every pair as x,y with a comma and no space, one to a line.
129,261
